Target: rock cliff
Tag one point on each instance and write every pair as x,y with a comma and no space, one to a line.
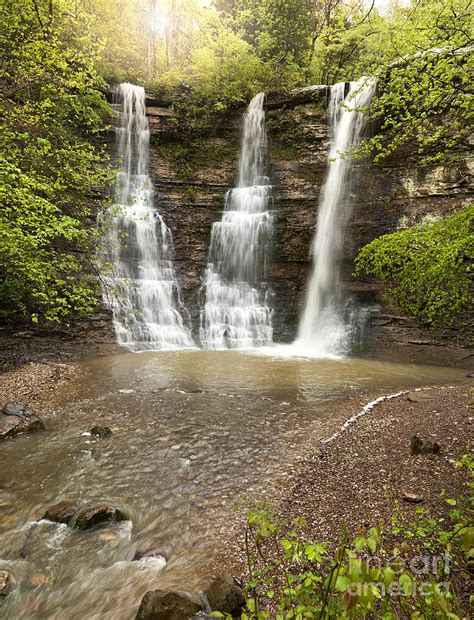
192,176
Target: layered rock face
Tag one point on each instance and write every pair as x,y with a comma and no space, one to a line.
192,176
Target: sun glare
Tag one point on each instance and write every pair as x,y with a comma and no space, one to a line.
159,21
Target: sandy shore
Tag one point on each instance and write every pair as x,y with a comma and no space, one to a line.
34,364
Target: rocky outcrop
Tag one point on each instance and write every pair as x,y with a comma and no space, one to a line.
169,605
17,418
191,179
299,96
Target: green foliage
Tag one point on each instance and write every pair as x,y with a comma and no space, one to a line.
427,268
425,97
208,57
222,74
406,569
51,173
203,59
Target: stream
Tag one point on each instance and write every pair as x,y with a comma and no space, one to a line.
194,432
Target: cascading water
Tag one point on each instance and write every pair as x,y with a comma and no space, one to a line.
236,311
142,292
324,329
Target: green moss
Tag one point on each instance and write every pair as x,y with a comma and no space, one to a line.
188,159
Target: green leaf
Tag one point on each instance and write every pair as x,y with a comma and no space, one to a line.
406,583
372,544
360,542
342,583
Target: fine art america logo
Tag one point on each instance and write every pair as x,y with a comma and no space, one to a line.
400,576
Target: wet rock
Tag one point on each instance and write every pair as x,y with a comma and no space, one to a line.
101,432
224,595
62,512
420,446
412,498
17,418
168,605
100,515
150,549
5,583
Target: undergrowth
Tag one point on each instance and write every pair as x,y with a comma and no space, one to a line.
418,569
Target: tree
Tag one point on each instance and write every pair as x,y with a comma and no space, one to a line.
425,92
51,174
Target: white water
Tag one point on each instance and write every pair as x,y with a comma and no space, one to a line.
142,292
236,311
325,327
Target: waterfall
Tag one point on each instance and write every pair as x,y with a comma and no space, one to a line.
236,311
142,291
324,329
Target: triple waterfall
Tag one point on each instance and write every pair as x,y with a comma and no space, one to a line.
140,285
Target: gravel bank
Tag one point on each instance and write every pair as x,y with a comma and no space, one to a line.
351,481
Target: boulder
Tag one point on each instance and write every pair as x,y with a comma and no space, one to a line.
420,446
99,515
101,432
169,605
17,418
5,583
62,512
224,595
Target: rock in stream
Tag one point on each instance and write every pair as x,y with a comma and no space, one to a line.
169,605
99,515
62,512
224,595
18,418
